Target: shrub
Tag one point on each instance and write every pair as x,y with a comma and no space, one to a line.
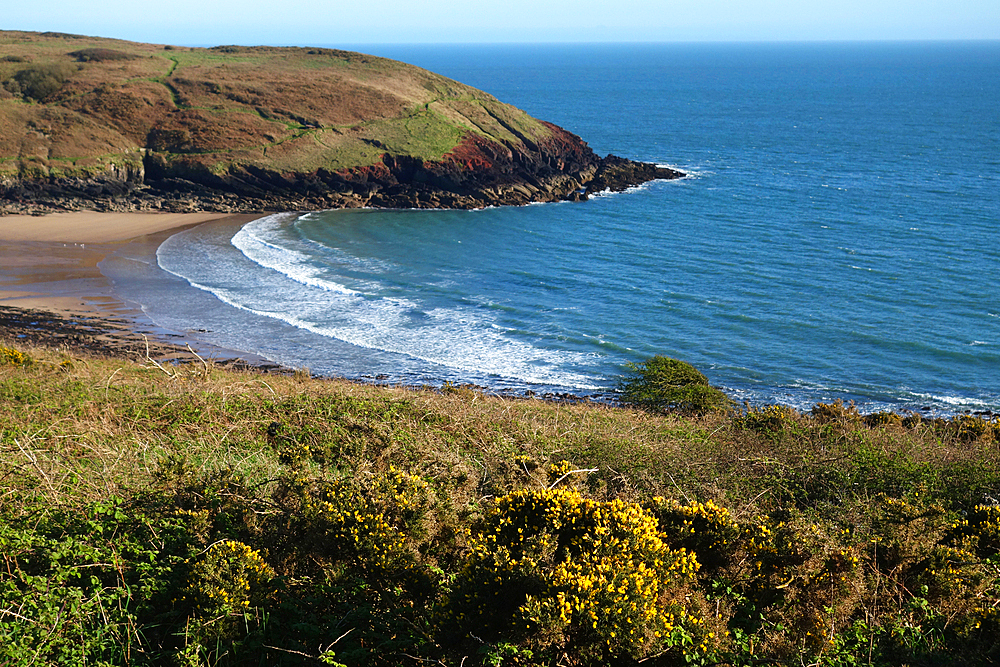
551,571
172,141
706,529
968,428
38,82
661,384
12,357
225,587
767,419
877,419
980,529
352,546
69,584
825,413
100,55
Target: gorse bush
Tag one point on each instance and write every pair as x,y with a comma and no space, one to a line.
970,428
705,529
10,356
555,572
768,419
227,581
837,411
662,384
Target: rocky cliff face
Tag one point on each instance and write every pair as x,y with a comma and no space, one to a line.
477,173
145,127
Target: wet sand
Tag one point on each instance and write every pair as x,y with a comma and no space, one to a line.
52,292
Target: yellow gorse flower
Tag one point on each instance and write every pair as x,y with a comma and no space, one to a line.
600,568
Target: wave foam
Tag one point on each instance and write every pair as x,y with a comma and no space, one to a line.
261,275
252,241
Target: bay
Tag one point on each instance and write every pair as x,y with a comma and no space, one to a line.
837,238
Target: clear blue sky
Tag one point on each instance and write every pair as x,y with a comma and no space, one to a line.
310,22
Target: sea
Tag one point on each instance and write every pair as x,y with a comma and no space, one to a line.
836,237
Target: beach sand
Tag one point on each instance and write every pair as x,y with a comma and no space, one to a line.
81,227
53,293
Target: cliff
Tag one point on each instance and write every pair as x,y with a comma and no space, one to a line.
113,125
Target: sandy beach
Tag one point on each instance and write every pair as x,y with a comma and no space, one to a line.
94,227
53,293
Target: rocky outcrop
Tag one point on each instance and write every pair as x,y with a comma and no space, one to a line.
110,182
477,173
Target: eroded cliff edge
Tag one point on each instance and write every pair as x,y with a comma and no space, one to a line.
90,123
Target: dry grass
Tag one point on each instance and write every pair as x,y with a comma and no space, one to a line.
828,538
116,419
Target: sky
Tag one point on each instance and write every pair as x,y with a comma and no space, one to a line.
333,22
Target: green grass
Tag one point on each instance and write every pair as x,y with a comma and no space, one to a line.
106,106
195,515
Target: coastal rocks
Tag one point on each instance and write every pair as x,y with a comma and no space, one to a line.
617,174
479,172
36,183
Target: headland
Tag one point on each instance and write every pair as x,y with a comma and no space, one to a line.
109,125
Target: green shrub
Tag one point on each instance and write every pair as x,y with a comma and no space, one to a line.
38,82
70,582
662,384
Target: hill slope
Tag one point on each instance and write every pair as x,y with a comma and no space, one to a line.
98,123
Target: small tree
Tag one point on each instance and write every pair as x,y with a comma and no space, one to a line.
663,384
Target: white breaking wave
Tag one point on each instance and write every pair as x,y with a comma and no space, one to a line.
252,242
647,185
950,400
270,279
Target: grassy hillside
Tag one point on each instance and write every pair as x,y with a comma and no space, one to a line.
191,515
75,106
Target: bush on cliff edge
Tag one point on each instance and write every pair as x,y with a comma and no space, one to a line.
663,384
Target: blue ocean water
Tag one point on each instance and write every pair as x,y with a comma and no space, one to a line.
837,237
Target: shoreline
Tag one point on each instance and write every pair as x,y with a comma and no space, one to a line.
53,294
111,337
81,227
